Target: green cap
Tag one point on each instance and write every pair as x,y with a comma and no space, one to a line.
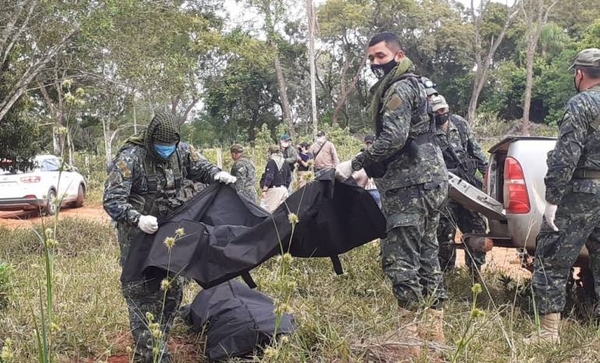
237,148
587,58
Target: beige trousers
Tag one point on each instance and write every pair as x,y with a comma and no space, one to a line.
273,197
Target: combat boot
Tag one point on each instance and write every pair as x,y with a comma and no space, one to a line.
548,330
431,327
407,325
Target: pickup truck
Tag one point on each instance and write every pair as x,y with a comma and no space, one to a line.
514,197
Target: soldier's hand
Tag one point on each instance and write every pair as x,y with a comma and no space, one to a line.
225,177
549,214
148,224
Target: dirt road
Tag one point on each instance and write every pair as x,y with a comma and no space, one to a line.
22,219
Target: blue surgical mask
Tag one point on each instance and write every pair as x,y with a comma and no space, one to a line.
165,151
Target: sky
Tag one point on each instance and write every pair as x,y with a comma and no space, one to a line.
242,16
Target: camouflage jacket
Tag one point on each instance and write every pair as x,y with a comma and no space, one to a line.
460,138
402,113
138,184
245,172
291,156
578,144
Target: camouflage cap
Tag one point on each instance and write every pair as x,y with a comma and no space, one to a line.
237,148
587,58
438,102
164,127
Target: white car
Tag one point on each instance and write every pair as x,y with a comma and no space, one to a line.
43,188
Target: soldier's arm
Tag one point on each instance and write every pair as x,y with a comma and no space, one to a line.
292,155
395,121
198,168
474,149
118,187
563,160
240,172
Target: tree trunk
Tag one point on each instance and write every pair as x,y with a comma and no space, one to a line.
311,61
482,69
346,92
285,103
536,19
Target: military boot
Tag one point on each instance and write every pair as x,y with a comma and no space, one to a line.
548,330
431,327
408,326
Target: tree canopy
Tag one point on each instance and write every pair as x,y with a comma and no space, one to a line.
85,75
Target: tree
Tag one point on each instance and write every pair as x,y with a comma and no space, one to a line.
37,31
483,60
536,14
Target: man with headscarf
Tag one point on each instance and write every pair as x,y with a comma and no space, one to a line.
245,172
149,179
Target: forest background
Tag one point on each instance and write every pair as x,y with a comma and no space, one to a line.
84,75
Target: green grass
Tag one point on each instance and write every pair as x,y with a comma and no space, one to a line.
337,316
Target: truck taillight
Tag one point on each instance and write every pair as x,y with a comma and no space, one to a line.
30,179
515,189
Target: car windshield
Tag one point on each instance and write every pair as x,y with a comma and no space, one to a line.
50,164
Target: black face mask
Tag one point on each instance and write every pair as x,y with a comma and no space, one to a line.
380,70
441,119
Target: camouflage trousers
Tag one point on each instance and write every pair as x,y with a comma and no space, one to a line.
151,313
249,193
409,254
578,222
455,216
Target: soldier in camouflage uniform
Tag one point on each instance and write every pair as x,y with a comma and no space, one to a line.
244,171
463,157
152,174
572,212
410,175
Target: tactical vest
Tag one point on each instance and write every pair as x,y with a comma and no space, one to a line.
378,169
157,192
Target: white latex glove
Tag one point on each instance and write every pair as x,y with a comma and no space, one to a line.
344,170
148,224
549,214
225,177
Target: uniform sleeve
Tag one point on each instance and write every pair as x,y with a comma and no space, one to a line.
292,155
474,150
395,123
239,171
198,168
118,187
563,160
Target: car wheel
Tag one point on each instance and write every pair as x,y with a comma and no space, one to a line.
51,208
80,197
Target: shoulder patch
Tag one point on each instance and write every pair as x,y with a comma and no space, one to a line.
124,169
394,103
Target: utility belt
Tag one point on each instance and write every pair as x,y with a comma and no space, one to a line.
586,174
378,169
277,186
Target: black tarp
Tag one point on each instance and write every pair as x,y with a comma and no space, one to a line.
235,320
226,235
